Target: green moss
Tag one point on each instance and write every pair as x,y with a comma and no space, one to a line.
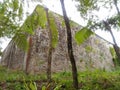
102,57
112,51
88,49
97,41
81,60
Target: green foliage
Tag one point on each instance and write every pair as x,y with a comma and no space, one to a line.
30,86
99,80
8,17
82,35
0,51
20,40
20,11
112,51
86,6
15,5
14,86
114,56
54,30
35,20
11,75
88,80
43,88
88,49
49,86
39,15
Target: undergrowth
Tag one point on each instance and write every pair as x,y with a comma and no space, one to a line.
88,80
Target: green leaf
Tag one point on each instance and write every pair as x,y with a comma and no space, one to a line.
33,86
43,88
28,25
83,35
58,87
40,16
20,11
37,18
15,5
20,40
54,30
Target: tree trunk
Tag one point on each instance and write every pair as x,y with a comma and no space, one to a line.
116,48
27,56
50,48
69,44
116,6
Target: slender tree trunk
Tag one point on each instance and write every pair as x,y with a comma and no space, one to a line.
27,56
116,6
69,44
112,36
116,48
50,48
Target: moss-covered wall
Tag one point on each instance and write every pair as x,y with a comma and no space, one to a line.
92,54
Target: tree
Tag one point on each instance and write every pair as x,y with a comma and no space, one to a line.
53,36
87,7
116,48
10,14
116,6
70,48
38,18
50,49
20,34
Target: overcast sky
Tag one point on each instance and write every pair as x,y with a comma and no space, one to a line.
74,15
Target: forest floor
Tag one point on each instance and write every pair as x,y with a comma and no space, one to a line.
88,80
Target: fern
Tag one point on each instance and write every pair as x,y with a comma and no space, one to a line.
40,17
54,30
83,35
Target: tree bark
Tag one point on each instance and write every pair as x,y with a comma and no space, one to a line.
69,44
50,48
27,55
115,46
116,6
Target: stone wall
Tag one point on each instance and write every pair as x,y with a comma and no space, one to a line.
13,57
92,54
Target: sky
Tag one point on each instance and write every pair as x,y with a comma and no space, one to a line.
73,14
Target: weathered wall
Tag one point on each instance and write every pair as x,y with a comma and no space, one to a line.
93,53
12,56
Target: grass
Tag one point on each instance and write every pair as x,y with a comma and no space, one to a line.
99,80
11,75
88,80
